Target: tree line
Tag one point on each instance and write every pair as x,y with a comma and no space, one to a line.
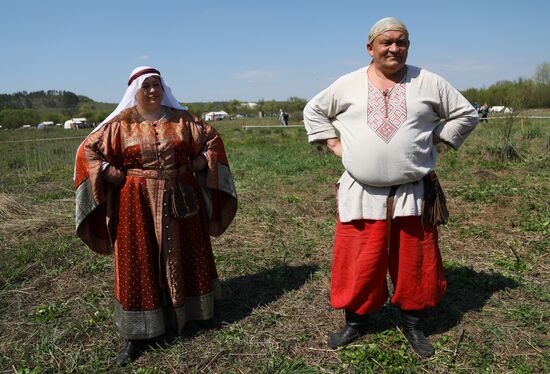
39,99
519,94
31,108
24,108
294,106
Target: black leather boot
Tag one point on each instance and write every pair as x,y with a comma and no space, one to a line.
412,329
132,350
356,325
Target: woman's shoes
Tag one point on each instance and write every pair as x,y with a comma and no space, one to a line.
132,350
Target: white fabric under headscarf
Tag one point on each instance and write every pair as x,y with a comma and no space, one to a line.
129,98
387,24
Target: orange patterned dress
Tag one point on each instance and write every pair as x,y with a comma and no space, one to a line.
164,267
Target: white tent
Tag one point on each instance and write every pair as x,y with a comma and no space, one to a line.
215,116
500,109
75,123
41,125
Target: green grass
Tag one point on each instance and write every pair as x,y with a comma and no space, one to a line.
274,263
386,352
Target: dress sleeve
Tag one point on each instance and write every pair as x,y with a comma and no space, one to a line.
458,116
94,197
318,115
216,180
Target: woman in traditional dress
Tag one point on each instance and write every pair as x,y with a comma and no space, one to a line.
134,174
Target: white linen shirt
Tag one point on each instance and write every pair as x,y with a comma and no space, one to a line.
387,139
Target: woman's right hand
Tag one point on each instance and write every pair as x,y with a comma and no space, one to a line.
113,175
198,163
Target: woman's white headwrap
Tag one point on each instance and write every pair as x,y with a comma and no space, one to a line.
386,24
135,81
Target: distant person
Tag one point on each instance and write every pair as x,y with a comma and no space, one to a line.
384,120
283,118
484,112
152,184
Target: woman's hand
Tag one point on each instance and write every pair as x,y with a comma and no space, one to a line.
113,175
198,163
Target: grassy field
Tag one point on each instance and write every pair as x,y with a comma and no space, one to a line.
56,295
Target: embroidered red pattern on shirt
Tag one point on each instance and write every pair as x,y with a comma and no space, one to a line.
387,113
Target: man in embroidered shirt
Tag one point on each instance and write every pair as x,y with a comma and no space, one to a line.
383,121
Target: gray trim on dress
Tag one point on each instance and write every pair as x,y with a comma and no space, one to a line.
140,324
198,308
148,324
85,202
225,180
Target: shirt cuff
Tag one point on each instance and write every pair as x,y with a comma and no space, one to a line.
321,136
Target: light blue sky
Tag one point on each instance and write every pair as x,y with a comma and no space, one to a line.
210,50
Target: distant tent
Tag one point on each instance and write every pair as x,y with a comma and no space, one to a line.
500,109
75,123
215,116
41,125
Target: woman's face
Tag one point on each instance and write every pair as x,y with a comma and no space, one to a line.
151,93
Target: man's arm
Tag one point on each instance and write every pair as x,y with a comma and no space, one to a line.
318,115
459,117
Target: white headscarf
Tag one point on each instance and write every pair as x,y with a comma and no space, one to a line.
386,24
135,81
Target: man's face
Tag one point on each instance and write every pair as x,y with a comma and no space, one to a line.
150,95
389,50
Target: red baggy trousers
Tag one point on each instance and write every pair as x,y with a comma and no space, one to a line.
361,261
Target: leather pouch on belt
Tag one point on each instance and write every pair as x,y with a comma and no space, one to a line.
434,210
183,201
